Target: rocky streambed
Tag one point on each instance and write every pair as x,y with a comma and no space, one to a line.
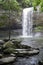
23,54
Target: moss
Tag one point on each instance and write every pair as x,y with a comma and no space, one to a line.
39,28
9,50
9,45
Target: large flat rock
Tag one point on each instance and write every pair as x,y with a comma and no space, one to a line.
22,52
7,60
1,42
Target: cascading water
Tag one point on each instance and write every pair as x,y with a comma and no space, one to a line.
27,21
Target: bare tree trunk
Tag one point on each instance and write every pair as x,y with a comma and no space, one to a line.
9,22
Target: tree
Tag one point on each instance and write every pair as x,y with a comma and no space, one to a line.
25,3
13,4
10,5
35,3
41,4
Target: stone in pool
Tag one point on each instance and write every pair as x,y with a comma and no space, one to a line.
1,55
1,42
40,62
26,52
7,60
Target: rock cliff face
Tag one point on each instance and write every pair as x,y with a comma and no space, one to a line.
38,18
38,22
13,17
15,20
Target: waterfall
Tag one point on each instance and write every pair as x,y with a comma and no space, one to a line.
27,21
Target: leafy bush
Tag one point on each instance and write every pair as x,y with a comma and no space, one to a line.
36,3
25,3
41,4
9,4
3,19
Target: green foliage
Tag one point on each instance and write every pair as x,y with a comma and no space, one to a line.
41,4
14,5
2,24
3,19
35,3
18,4
8,44
38,28
9,4
3,16
25,3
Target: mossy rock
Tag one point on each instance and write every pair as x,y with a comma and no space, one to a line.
8,47
9,44
9,51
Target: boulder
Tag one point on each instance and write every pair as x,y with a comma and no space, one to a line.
8,47
12,54
18,45
8,51
25,47
6,40
7,60
1,42
26,52
40,62
1,55
8,44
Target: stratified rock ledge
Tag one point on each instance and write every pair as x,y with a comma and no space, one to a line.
26,52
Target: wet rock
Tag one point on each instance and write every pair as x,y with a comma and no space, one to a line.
6,40
8,51
18,45
8,44
34,51
7,60
0,47
40,62
26,52
25,47
12,54
8,47
1,55
16,41
1,42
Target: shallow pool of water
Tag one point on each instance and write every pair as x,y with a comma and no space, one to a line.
31,60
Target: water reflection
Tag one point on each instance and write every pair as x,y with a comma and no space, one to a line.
33,60
27,61
33,42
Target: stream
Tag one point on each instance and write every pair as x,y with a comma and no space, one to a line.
30,60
